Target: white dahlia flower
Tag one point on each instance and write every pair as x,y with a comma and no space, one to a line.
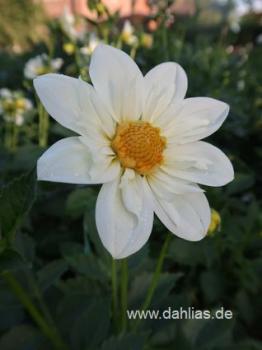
94,41
68,22
128,35
139,137
41,64
14,106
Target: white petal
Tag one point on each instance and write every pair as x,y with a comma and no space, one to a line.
199,162
130,185
107,123
123,232
196,118
164,84
166,186
118,81
71,102
188,216
69,160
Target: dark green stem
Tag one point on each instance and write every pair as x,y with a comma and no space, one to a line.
114,290
38,296
124,286
21,294
155,278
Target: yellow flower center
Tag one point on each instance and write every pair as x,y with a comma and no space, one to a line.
69,48
139,146
20,103
42,70
215,222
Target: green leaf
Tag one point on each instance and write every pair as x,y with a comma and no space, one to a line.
25,158
140,260
215,333
91,233
71,249
187,253
25,245
11,311
3,245
169,336
166,283
192,327
241,183
16,200
70,307
51,273
79,201
247,344
11,260
23,337
129,341
81,284
141,283
245,307
212,284
181,341
91,327
87,265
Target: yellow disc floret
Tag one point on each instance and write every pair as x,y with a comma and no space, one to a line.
20,103
139,146
214,223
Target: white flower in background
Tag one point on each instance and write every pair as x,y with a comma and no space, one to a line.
56,64
234,23
139,137
5,93
35,66
241,85
67,22
94,41
41,64
69,48
19,119
14,106
84,50
128,35
147,40
259,39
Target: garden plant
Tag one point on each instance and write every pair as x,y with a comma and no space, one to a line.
130,178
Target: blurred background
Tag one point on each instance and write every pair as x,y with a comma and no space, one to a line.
53,250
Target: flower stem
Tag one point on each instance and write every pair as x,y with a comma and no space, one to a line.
14,137
124,285
165,42
38,295
78,61
43,125
8,136
155,277
21,294
114,290
133,52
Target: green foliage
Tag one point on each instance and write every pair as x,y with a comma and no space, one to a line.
52,247
22,337
15,201
90,329
51,273
20,23
10,259
127,341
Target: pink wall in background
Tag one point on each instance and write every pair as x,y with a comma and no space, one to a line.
54,8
